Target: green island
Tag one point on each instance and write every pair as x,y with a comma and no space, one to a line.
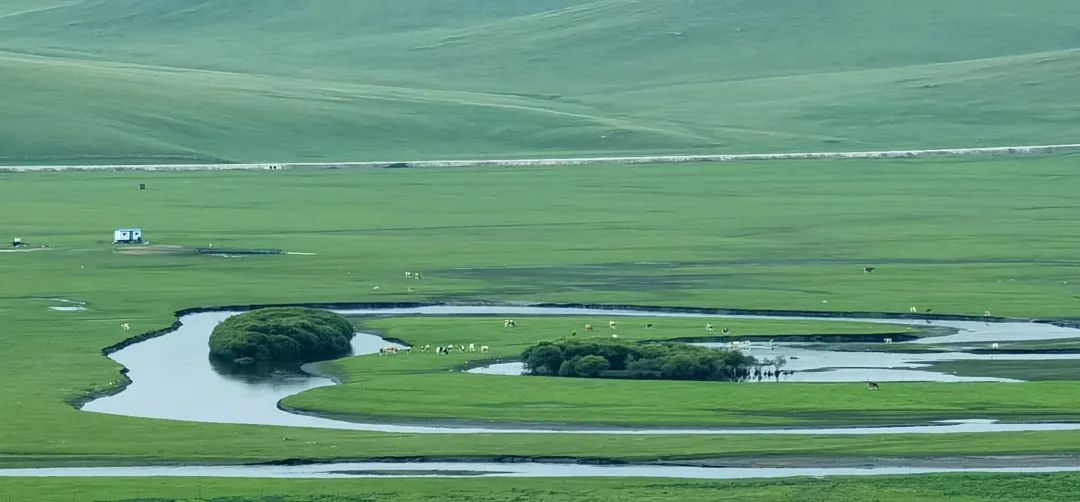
281,335
158,84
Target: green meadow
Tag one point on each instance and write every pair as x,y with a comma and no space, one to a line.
175,81
374,385
930,488
953,235
125,81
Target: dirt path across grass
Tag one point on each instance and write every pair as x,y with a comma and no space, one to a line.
651,159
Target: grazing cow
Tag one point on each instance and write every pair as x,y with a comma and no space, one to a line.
588,327
388,351
913,310
472,347
462,348
408,275
611,324
995,346
708,327
888,341
125,326
417,276
987,314
648,325
573,333
613,335
929,310
509,323
412,290
867,270
425,348
376,288
726,331
485,349
873,386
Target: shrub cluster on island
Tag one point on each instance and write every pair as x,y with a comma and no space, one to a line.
660,360
281,336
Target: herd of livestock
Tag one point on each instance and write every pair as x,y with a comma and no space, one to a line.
511,323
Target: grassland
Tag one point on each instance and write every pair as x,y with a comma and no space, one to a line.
955,235
1020,370
256,80
375,385
929,488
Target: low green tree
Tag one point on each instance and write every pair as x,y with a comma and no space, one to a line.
591,366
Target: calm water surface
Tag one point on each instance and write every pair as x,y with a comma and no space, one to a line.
173,378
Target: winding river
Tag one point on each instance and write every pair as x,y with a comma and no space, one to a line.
516,470
172,377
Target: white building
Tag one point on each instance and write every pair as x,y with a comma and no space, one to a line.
128,236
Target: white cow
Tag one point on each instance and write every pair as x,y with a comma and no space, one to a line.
125,326
472,347
611,324
888,341
485,349
709,327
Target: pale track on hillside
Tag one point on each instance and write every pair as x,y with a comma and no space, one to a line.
570,161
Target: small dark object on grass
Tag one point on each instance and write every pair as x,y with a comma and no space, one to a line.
142,186
873,386
867,270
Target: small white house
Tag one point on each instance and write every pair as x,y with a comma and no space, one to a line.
128,236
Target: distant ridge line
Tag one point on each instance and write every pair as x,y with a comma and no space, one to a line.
571,161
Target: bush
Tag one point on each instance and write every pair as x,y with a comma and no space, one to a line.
544,359
591,366
281,335
674,361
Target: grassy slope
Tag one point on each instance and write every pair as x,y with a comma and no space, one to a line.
324,80
931,488
375,386
757,236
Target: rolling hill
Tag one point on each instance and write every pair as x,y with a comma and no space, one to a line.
92,81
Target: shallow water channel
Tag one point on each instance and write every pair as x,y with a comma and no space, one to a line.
516,470
172,377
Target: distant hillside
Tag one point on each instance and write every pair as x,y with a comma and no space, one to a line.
282,80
